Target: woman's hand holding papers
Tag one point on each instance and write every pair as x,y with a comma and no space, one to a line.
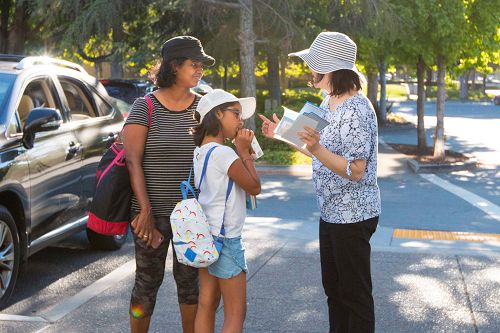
311,138
268,126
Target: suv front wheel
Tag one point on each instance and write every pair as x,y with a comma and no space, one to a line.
10,255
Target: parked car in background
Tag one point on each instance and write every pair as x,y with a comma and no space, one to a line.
56,122
203,87
127,90
121,105
496,100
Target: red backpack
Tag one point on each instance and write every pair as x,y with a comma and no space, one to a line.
109,212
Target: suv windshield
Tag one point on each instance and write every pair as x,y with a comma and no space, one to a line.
6,81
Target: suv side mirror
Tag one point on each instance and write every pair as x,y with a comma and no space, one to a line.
40,120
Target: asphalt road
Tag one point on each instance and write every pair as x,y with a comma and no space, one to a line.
448,291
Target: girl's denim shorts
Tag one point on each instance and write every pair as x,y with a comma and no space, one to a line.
231,260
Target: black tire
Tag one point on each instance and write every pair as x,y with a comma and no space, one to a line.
102,242
10,255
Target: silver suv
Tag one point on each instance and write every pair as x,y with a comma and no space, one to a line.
56,121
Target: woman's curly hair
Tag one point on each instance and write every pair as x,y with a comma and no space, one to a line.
163,74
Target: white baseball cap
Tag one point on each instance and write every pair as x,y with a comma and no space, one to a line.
218,97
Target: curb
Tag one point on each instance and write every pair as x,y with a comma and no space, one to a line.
293,170
418,167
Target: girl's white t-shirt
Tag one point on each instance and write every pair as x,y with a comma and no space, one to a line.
212,196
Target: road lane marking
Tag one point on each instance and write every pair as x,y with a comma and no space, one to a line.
479,202
10,317
96,288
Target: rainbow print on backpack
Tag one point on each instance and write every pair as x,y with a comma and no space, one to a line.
193,242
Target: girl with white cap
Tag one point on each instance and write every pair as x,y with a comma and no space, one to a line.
220,116
345,179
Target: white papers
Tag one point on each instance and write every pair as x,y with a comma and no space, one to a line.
257,151
294,122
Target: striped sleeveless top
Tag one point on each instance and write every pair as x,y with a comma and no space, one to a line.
168,153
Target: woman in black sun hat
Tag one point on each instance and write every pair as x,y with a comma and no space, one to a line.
159,152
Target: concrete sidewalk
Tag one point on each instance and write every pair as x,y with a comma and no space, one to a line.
414,292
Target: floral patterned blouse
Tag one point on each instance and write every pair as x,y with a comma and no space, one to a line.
352,134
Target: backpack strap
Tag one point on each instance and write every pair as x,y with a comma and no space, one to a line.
205,164
228,192
186,184
186,187
150,108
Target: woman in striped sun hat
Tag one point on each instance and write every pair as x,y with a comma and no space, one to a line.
345,179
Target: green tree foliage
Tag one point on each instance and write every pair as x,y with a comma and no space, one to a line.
123,31
413,48
447,19
481,50
375,25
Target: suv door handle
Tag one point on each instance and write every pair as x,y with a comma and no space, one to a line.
73,148
112,136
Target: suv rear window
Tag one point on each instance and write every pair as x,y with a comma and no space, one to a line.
6,81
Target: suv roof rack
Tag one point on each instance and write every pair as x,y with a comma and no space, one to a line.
11,57
31,61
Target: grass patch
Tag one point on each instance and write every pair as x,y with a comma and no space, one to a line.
284,157
396,119
394,91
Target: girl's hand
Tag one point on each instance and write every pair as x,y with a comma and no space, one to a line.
268,126
243,141
143,226
310,137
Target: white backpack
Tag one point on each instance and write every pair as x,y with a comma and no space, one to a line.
193,242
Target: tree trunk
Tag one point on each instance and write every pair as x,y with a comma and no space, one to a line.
5,6
224,78
247,54
483,88
422,144
19,32
283,76
473,79
383,93
372,88
117,57
464,86
439,152
428,81
97,72
273,79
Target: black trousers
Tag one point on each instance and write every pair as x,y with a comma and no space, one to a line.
346,274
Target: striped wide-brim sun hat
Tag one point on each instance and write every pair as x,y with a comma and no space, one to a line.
330,52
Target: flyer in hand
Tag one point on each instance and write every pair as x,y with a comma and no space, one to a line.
294,122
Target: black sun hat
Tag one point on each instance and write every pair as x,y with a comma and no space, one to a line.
186,47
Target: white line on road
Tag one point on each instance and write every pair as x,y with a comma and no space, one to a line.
479,202
10,317
72,303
